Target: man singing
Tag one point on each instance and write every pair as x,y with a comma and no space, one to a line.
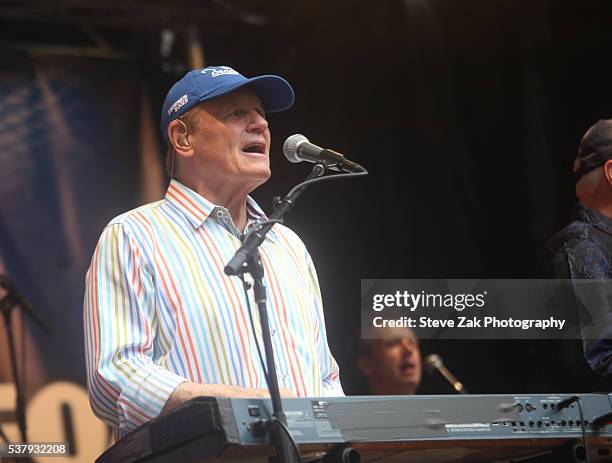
163,323
391,363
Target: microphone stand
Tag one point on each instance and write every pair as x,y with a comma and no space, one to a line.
7,304
247,260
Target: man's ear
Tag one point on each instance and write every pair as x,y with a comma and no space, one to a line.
178,136
608,171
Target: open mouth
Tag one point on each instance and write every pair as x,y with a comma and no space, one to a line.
406,367
255,148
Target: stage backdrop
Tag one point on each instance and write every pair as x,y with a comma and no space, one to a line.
78,145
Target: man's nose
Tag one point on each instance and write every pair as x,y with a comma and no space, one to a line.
408,345
258,123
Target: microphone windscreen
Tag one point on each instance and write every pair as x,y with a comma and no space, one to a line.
291,145
433,362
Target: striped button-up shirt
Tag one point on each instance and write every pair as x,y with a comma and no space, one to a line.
159,311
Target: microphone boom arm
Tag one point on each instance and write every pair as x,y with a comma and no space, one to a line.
247,259
237,265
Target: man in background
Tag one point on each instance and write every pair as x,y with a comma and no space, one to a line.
391,364
583,249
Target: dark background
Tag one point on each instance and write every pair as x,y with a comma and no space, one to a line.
467,115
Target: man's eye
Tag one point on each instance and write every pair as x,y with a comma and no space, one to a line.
238,113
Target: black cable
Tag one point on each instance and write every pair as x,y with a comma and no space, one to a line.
273,420
566,403
246,296
584,441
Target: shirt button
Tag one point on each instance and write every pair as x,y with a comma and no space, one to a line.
273,331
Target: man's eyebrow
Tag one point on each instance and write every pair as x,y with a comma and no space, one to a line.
227,103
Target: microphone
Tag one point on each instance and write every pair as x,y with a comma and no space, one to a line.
434,362
297,148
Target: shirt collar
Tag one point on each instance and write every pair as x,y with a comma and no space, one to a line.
197,208
594,218
254,211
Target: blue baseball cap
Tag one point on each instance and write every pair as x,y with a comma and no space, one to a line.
205,84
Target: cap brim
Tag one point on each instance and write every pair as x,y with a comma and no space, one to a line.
274,92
